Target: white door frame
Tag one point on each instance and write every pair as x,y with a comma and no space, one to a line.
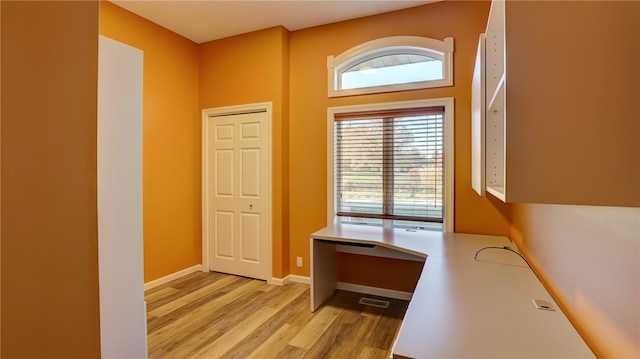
234,110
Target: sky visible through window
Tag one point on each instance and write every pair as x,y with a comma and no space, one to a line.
407,73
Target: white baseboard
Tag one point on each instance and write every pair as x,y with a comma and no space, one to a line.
382,292
179,274
290,278
299,279
279,281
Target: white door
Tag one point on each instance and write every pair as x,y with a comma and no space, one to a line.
238,194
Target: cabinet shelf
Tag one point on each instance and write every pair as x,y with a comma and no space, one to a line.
497,191
495,96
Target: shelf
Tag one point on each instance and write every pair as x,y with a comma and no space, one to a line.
498,92
497,191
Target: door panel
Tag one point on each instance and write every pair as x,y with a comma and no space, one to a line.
250,131
224,132
224,174
224,234
251,173
250,236
238,235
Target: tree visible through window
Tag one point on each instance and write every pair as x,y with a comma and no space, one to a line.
389,165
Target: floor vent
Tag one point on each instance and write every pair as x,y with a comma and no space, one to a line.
374,302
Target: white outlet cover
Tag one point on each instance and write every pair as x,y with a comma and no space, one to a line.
543,304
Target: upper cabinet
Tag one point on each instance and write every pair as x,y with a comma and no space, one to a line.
556,115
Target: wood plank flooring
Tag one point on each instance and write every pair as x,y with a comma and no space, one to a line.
214,315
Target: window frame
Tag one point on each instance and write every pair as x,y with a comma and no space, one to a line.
449,155
388,46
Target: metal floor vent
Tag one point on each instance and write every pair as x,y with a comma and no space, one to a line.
374,302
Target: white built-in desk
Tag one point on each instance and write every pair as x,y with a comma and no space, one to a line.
461,307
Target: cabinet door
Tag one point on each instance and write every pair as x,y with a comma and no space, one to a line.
495,49
478,110
494,102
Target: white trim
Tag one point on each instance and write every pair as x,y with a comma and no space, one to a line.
449,164
449,147
233,110
439,48
290,278
177,275
279,281
299,279
382,292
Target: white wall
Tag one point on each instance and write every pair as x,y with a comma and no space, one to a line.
123,331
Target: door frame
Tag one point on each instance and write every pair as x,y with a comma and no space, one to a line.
235,110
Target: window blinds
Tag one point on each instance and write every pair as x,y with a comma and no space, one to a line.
389,164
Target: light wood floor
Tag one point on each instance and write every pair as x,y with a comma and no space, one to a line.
214,315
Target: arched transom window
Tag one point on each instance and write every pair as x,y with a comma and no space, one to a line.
395,63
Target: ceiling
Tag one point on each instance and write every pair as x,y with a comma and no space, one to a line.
206,20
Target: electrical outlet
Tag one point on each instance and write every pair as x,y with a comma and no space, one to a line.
299,261
543,304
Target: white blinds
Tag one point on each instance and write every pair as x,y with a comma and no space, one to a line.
389,164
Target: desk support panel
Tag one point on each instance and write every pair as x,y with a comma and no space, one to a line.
323,272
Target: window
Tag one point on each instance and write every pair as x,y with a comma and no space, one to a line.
389,164
391,64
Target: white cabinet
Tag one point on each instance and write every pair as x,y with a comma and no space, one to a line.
495,101
488,112
478,122
561,103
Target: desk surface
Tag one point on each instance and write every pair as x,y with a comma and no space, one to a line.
466,308
419,243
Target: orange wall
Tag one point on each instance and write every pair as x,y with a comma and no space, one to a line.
171,141
50,303
589,258
308,111
288,69
247,69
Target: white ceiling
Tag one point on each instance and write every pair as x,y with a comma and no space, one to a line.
206,20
